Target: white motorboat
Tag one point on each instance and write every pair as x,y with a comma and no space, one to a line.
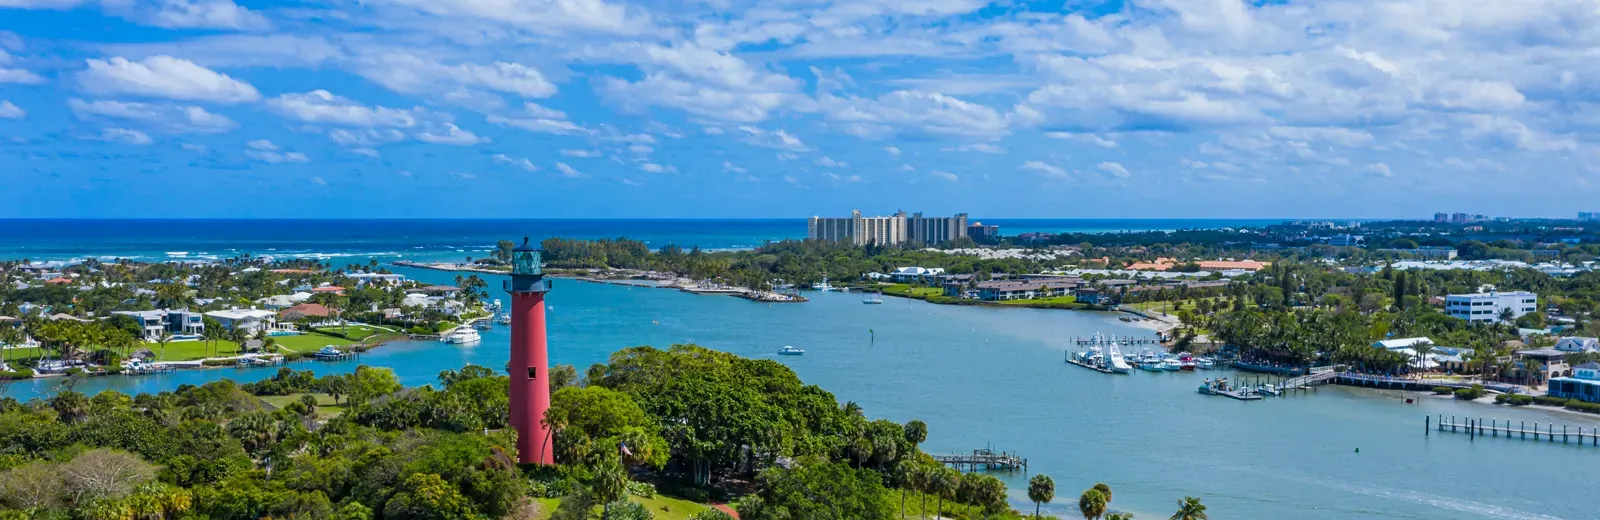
1171,364
824,286
505,319
1204,363
462,336
1115,361
872,300
790,350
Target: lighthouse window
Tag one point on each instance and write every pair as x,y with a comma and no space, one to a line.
533,372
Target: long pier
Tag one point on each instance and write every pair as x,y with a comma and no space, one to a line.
984,459
1478,427
1120,341
1071,359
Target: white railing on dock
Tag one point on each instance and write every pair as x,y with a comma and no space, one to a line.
1476,427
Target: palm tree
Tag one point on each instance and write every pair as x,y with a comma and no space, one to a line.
916,432
905,474
944,483
1104,490
163,340
610,484
1190,508
1041,489
1092,504
1423,349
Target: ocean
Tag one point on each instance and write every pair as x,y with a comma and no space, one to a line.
436,239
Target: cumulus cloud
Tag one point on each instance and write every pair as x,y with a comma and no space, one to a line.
829,162
1379,169
451,135
1083,138
1115,169
581,153
409,73
365,137
519,162
205,14
568,171
657,168
914,112
945,175
165,117
125,136
268,152
13,75
322,107
8,110
730,167
772,139
1045,169
708,83
164,77
892,150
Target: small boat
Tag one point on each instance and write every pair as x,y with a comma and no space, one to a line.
1204,363
789,350
1268,389
505,319
1150,362
462,336
824,286
327,352
1171,365
1186,363
872,300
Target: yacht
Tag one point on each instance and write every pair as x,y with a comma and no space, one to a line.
505,319
872,300
1171,365
328,352
789,350
1115,362
462,336
1186,362
824,286
1204,363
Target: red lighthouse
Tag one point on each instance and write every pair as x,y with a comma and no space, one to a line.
530,359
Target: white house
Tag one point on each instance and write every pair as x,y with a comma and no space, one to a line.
248,320
366,278
1577,344
914,274
1486,307
1401,343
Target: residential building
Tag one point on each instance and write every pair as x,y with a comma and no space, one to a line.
1486,307
1459,218
305,310
1401,343
935,230
153,323
1020,290
366,278
1441,217
1426,253
1589,215
1584,385
1578,344
1090,295
248,320
1346,240
978,230
915,274
1544,254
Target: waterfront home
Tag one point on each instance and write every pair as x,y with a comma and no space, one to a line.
153,323
1401,343
446,290
334,289
249,320
304,310
1584,385
1020,290
67,317
914,274
379,278
275,302
1578,344
1089,295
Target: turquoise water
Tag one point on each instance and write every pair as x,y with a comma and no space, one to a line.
983,376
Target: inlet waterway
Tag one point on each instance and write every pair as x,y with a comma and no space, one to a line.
996,377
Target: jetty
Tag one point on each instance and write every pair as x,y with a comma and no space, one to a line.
1071,359
985,459
1123,341
1478,427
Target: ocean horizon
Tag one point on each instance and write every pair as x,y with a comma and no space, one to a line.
156,239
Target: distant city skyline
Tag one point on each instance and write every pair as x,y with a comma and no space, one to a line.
730,109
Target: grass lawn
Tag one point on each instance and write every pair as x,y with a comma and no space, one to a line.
664,508
356,332
1053,300
911,291
325,407
190,350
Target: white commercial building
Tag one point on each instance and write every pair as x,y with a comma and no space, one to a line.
894,229
1487,307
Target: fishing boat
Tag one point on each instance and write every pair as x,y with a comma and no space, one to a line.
872,300
1114,360
1186,363
505,319
824,286
790,350
1171,365
1204,363
1267,388
1150,362
462,336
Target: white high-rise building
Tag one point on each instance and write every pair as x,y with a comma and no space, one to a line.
859,230
1486,307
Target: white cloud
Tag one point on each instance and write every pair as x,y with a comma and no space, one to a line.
568,171
267,152
786,156
322,107
11,111
539,111
516,161
169,118
1379,169
1115,169
365,137
830,163
774,139
546,126
412,74
641,149
205,14
125,136
1085,138
581,153
553,17
1045,169
164,77
9,75
944,175
708,83
319,181
892,150
977,147
463,176
366,151
452,135
657,168
914,112
729,166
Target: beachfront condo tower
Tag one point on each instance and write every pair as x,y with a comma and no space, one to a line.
893,229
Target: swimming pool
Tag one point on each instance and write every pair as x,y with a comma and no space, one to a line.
284,333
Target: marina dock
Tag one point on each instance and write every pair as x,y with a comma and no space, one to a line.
1123,341
1071,360
985,459
1478,427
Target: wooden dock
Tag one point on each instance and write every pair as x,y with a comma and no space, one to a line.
1478,427
984,459
1120,341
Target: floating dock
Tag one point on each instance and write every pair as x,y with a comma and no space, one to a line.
1102,370
1128,341
984,459
1478,427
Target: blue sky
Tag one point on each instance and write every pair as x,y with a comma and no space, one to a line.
783,108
